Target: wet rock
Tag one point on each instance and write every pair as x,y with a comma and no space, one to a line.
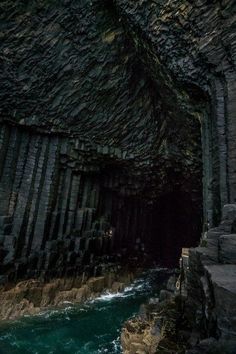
117,287
154,300
171,284
166,295
31,296
136,337
96,284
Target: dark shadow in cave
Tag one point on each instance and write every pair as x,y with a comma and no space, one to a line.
177,223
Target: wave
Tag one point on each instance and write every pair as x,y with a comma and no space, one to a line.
89,328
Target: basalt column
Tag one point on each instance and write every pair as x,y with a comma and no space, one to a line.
65,205
99,141
53,215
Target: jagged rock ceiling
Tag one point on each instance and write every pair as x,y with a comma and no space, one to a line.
73,67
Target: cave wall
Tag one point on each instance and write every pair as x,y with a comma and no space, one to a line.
62,210
67,207
104,107
191,48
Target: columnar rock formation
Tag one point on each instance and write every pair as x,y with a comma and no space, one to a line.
196,312
56,205
103,106
92,156
210,274
190,48
65,202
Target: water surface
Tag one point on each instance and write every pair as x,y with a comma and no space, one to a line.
93,328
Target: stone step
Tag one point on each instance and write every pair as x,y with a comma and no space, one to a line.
213,234
223,282
227,249
208,255
229,212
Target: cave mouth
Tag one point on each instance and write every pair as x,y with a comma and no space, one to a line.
156,233
59,218
172,222
177,223
154,225
166,212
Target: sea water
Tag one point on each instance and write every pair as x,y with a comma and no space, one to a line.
91,328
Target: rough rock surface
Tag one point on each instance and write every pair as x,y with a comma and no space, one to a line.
210,281
106,108
159,329
190,48
32,296
137,337
196,312
93,158
227,249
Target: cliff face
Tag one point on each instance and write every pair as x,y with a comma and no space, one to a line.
191,48
208,288
91,155
103,108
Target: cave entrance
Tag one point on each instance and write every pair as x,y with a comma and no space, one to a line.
177,213
177,223
167,214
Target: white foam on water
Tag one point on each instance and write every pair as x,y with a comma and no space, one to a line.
127,292
110,296
48,314
139,287
116,345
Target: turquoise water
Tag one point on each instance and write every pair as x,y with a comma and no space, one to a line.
93,328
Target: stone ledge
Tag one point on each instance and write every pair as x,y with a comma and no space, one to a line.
223,275
222,281
227,249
